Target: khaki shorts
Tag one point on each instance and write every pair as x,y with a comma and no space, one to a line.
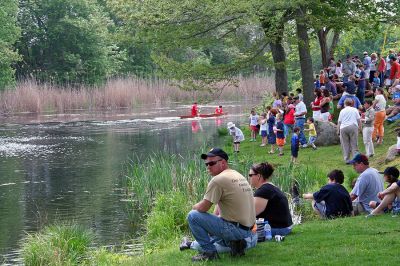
358,209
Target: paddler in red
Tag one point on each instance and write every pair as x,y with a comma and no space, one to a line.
195,109
219,110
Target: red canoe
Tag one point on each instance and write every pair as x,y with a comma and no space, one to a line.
201,115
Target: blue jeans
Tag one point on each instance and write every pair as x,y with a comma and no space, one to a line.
287,128
361,94
223,246
300,123
281,231
312,139
204,225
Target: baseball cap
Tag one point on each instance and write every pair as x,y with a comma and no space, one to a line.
215,152
365,53
393,57
359,158
290,106
392,171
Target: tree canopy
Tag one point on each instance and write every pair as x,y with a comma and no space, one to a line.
200,44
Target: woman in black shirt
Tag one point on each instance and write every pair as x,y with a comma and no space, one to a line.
270,202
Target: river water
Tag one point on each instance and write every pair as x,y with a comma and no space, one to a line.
70,167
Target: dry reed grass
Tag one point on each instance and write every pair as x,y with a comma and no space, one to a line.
31,96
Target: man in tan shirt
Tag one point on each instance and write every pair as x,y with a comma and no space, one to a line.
234,215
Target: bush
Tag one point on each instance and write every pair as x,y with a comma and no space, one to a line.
57,245
167,220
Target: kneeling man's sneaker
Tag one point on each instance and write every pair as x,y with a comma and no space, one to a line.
238,247
205,256
185,244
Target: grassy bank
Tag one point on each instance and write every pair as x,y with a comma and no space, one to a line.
347,241
171,184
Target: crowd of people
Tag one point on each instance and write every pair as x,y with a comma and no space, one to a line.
232,227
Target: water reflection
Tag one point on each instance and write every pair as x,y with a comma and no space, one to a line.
73,170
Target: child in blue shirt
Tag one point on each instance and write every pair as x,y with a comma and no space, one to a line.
376,81
294,145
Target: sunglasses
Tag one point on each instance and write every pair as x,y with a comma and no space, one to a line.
250,175
212,163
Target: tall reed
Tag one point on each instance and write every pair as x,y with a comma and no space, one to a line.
164,173
187,174
31,96
57,245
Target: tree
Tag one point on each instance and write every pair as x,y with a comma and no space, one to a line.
66,41
9,33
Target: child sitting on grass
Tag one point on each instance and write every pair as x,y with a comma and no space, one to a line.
312,137
332,200
280,133
390,200
294,144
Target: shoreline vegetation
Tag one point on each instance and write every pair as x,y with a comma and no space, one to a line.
170,182
34,97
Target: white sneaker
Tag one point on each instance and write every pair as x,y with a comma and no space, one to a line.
304,146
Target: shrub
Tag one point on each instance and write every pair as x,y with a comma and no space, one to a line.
167,220
57,245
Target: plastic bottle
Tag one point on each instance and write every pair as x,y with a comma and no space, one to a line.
267,231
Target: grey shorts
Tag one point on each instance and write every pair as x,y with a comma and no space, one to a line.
321,208
358,208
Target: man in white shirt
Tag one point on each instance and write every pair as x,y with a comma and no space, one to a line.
300,118
349,124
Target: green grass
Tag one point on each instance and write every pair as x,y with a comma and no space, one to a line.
57,245
345,241
170,185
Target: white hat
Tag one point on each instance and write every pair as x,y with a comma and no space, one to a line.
230,125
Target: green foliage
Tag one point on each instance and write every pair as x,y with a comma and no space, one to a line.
57,245
9,33
222,131
164,173
167,220
66,41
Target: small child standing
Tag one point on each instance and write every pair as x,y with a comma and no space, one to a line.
312,133
280,133
263,129
271,134
376,82
253,122
237,136
294,145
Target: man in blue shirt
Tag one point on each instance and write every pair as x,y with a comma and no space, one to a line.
367,186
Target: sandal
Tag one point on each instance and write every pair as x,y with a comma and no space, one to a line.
271,152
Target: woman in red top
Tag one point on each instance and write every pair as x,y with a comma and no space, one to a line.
381,69
315,105
288,120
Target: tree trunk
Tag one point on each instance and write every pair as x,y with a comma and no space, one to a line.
279,57
322,34
335,41
327,52
274,31
305,57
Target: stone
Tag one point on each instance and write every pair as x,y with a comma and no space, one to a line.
326,132
391,154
